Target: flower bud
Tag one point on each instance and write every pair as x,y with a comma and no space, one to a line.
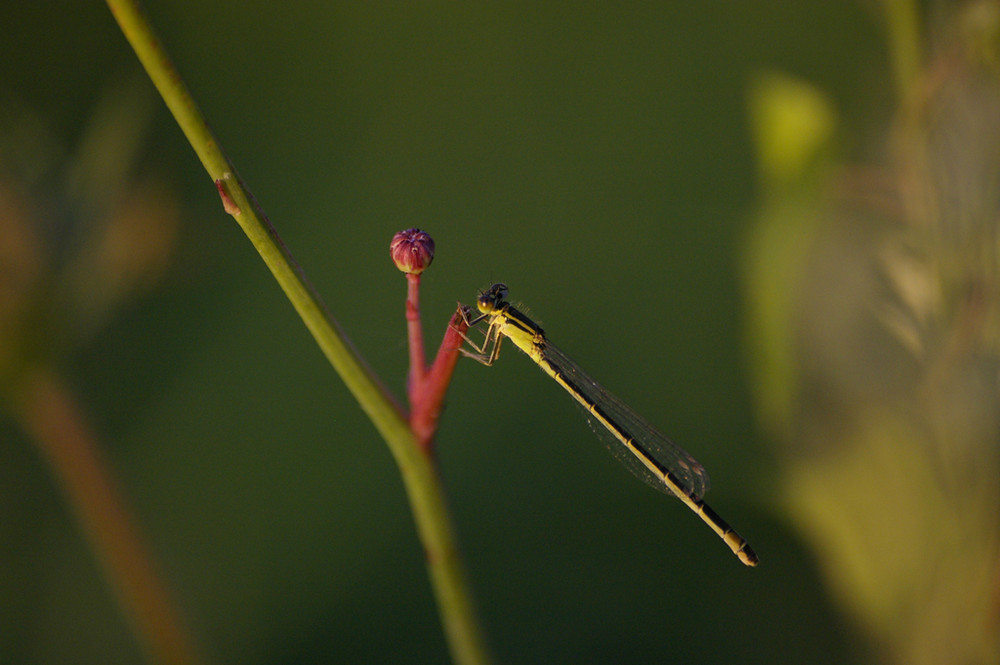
412,250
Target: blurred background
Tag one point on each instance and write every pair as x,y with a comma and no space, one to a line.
770,227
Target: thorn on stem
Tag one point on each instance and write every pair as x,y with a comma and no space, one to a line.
228,204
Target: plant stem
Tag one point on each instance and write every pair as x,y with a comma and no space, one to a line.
415,336
903,27
50,416
428,390
423,485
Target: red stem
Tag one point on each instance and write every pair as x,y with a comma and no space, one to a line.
58,427
427,395
418,369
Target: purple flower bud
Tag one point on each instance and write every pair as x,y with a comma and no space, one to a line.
412,250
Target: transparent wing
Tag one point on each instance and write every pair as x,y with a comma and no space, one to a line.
668,455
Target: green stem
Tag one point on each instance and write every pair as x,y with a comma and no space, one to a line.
903,26
420,477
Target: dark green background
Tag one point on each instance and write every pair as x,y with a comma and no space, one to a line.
598,161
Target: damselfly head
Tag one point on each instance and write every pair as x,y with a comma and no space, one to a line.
492,298
498,292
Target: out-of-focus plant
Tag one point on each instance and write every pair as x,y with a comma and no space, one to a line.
874,328
84,233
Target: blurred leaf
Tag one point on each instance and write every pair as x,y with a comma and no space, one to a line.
793,123
874,315
793,129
